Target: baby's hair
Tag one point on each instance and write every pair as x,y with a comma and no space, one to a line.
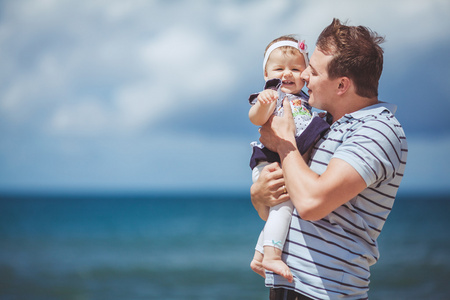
285,49
288,45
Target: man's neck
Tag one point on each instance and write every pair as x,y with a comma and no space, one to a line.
352,105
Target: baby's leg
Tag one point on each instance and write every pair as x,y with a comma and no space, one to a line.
256,263
275,232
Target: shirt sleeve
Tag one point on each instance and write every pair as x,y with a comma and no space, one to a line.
373,149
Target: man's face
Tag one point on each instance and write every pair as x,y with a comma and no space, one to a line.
321,89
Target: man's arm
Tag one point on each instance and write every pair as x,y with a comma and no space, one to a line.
313,195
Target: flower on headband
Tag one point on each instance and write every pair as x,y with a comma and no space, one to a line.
302,47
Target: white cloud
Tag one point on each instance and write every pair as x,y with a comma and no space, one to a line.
134,68
139,104
87,117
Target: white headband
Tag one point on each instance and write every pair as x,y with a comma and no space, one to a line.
301,46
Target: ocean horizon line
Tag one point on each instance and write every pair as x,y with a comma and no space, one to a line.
124,192
156,193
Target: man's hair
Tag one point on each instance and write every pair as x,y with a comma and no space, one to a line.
356,54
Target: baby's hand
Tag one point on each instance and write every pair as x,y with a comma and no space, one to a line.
267,97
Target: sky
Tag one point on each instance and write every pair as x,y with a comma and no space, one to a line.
135,95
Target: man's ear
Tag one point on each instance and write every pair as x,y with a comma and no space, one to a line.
344,84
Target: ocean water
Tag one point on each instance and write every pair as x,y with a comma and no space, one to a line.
132,246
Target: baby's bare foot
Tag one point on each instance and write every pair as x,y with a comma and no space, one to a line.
277,266
258,268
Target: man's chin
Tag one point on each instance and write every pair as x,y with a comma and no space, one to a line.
313,103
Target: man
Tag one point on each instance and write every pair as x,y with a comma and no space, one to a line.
344,196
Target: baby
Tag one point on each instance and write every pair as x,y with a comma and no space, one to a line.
284,61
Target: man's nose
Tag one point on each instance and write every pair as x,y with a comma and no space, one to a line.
305,75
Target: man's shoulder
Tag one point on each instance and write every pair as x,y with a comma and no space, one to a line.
381,114
378,109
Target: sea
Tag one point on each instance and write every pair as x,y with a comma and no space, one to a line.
181,246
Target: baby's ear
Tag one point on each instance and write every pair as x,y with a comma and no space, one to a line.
266,77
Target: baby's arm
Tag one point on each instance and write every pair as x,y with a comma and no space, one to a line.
264,107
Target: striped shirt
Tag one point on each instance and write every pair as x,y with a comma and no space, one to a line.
330,258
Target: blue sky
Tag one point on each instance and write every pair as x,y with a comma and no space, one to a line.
144,95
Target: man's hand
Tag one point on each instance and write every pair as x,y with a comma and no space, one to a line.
269,190
278,131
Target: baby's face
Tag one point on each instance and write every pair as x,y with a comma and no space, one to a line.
287,67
